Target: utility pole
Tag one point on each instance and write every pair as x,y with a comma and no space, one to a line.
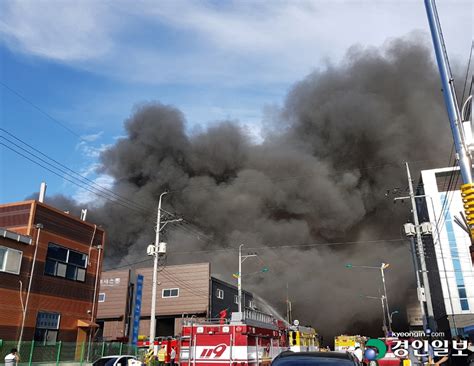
419,287
410,232
460,119
421,251
242,258
157,250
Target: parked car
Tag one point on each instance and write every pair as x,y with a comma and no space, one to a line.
315,359
117,360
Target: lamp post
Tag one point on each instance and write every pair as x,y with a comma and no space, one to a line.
32,273
238,275
382,268
393,312
382,300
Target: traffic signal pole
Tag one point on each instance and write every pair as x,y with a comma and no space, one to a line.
242,258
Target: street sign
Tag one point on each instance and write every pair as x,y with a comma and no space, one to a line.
137,309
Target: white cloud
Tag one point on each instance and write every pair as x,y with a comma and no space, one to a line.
102,183
94,181
92,137
93,151
61,30
227,43
99,183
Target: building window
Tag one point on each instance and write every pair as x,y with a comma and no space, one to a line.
251,304
66,263
453,247
464,304
236,299
47,326
220,294
102,297
170,292
10,260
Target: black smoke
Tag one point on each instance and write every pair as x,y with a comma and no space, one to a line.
319,175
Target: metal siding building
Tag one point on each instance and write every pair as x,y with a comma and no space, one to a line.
183,291
224,297
451,272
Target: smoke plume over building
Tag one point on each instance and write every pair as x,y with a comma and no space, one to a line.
319,176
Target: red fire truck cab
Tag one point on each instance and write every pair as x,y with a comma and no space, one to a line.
250,338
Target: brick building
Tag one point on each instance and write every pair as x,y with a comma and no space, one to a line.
183,290
50,265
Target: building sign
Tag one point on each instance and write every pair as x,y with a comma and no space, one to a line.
137,310
110,281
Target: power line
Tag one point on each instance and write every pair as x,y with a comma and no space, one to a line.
132,264
39,109
447,201
83,185
449,197
302,245
276,247
64,169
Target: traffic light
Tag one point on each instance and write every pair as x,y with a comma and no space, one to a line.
467,193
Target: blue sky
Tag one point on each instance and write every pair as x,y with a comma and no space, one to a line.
88,63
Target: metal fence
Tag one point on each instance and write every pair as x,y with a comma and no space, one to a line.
66,352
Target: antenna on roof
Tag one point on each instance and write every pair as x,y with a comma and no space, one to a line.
42,192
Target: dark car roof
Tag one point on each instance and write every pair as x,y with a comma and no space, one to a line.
339,355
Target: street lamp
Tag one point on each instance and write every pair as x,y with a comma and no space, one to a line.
238,275
242,258
263,270
382,300
394,312
382,268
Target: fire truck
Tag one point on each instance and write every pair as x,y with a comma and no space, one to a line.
345,343
250,338
302,339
